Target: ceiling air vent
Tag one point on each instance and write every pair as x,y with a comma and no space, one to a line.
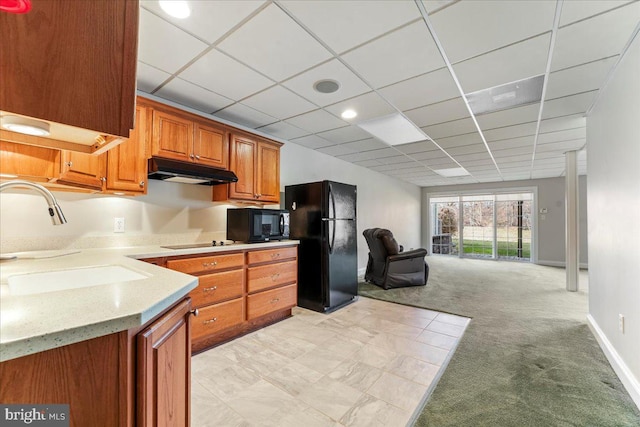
522,92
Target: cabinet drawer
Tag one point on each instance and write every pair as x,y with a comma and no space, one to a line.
206,263
269,301
270,275
256,257
215,318
217,287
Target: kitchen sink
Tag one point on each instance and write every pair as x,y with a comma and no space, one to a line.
60,280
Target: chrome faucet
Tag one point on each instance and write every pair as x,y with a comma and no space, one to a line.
57,217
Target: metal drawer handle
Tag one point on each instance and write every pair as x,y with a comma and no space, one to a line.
275,300
197,157
210,289
206,322
210,264
274,277
276,255
195,312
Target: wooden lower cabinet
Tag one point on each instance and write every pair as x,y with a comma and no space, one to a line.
129,378
238,291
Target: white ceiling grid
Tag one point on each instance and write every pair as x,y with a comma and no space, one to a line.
255,63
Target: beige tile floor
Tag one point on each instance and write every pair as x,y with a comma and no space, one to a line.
371,363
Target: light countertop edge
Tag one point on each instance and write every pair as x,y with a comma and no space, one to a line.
34,323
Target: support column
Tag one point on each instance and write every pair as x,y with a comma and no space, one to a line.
572,255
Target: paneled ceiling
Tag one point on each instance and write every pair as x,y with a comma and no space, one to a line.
255,63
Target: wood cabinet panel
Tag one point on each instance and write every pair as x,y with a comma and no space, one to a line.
172,136
211,147
243,158
266,302
206,263
268,173
72,62
27,161
217,317
271,255
127,162
218,287
83,170
270,275
164,370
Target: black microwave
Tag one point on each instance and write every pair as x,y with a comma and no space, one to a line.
257,225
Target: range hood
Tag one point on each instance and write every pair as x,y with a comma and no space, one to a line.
188,173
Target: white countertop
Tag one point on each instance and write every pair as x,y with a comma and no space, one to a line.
38,322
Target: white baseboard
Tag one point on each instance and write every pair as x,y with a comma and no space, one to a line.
562,264
361,272
626,376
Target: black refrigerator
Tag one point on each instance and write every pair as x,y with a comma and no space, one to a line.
323,218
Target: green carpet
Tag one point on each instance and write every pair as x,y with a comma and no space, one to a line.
527,358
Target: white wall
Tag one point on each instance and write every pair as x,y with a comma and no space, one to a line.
382,201
613,147
551,229
180,213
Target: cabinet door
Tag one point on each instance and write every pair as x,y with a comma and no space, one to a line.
211,146
243,162
164,369
127,163
172,136
268,173
28,161
83,170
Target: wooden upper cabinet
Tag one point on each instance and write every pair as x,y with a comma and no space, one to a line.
127,162
83,170
268,172
72,62
172,136
243,163
29,162
210,146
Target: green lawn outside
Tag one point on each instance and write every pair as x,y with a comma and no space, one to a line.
483,247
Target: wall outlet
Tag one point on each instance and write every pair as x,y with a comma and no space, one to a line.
118,225
621,323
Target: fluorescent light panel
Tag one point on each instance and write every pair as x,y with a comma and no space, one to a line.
452,172
393,129
522,92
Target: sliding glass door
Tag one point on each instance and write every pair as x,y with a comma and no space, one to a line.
492,226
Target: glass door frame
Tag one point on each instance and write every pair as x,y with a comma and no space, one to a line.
488,192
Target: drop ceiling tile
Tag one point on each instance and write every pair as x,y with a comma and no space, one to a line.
345,134
246,116
440,163
462,158
366,145
226,76
316,121
417,147
510,132
523,141
576,10
456,127
562,146
441,112
512,116
605,35
346,24
149,78
466,149
279,102
506,65
429,155
469,28
460,140
193,96
432,6
350,84
368,106
561,123
336,150
283,130
422,90
568,105
177,47
405,53
209,20
516,176
578,79
484,161
509,152
370,155
396,161
274,44
367,163
563,135
515,158
312,141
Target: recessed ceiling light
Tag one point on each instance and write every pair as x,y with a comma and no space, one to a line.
349,114
326,86
25,125
452,172
393,129
176,8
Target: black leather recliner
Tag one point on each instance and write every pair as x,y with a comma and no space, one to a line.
389,266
